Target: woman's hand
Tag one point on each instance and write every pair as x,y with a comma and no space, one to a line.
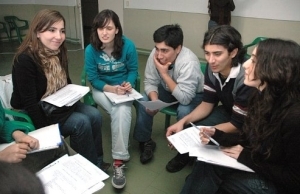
204,131
21,137
14,153
233,151
123,88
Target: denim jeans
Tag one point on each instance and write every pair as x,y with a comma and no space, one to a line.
209,178
217,116
84,129
211,24
144,121
120,115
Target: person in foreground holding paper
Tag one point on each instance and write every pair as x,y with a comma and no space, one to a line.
269,142
172,74
17,153
224,77
111,64
40,69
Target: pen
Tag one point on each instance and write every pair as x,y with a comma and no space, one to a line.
210,138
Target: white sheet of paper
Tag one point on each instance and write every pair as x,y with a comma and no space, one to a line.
185,139
115,98
49,138
156,105
188,141
72,174
67,95
212,154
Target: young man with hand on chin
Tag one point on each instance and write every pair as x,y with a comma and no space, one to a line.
172,74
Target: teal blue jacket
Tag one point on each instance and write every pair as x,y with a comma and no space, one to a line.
102,69
7,128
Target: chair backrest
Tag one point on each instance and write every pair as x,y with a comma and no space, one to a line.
11,21
254,42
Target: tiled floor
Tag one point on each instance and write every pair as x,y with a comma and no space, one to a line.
151,178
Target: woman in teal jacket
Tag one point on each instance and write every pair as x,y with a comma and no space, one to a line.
111,64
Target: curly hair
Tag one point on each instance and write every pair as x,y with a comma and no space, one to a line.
278,68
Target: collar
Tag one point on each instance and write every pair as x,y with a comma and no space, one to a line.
234,72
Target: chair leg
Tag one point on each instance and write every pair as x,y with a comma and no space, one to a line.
167,121
19,36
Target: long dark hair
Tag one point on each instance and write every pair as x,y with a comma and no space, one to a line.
228,37
42,21
278,67
100,21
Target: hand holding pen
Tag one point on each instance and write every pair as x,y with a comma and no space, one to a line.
123,88
206,133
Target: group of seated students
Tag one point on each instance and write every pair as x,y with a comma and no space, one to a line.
252,105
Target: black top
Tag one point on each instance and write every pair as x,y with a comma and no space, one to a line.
29,85
283,165
220,11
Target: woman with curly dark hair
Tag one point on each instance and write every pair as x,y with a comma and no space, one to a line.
269,143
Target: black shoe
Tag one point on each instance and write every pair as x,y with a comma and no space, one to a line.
178,162
147,149
104,166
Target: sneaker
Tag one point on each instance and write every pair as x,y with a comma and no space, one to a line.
147,149
119,180
178,162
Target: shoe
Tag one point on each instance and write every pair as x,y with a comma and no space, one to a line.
178,162
104,166
119,180
147,149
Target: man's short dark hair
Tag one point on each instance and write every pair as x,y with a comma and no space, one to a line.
172,35
228,37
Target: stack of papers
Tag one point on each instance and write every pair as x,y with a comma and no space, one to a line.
68,95
49,138
72,174
116,99
188,141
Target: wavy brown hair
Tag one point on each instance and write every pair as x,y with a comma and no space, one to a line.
278,67
31,45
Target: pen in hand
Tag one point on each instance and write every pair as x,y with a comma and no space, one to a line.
210,138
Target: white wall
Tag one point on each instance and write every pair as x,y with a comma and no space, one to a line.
265,9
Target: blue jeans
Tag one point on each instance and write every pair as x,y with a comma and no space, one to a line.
217,116
144,121
211,24
84,129
209,178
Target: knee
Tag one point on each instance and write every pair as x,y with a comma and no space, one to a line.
182,111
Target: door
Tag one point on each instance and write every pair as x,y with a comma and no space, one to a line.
89,9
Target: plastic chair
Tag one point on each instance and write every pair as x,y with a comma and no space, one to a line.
21,120
3,29
13,23
172,110
254,42
88,98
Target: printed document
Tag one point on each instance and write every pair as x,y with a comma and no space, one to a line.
49,138
68,95
72,174
156,104
188,141
130,96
